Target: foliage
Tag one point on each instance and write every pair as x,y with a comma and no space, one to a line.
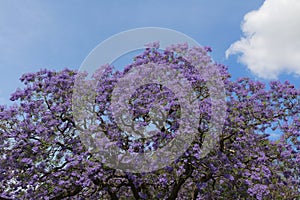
42,156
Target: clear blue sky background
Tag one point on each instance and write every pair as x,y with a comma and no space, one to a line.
58,34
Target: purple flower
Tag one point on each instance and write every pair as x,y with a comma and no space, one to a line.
44,156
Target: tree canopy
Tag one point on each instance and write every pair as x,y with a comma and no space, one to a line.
43,155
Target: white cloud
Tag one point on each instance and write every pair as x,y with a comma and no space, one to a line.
271,42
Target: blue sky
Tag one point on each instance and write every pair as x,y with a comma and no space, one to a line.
59,34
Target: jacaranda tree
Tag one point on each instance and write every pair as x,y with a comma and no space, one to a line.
42,155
